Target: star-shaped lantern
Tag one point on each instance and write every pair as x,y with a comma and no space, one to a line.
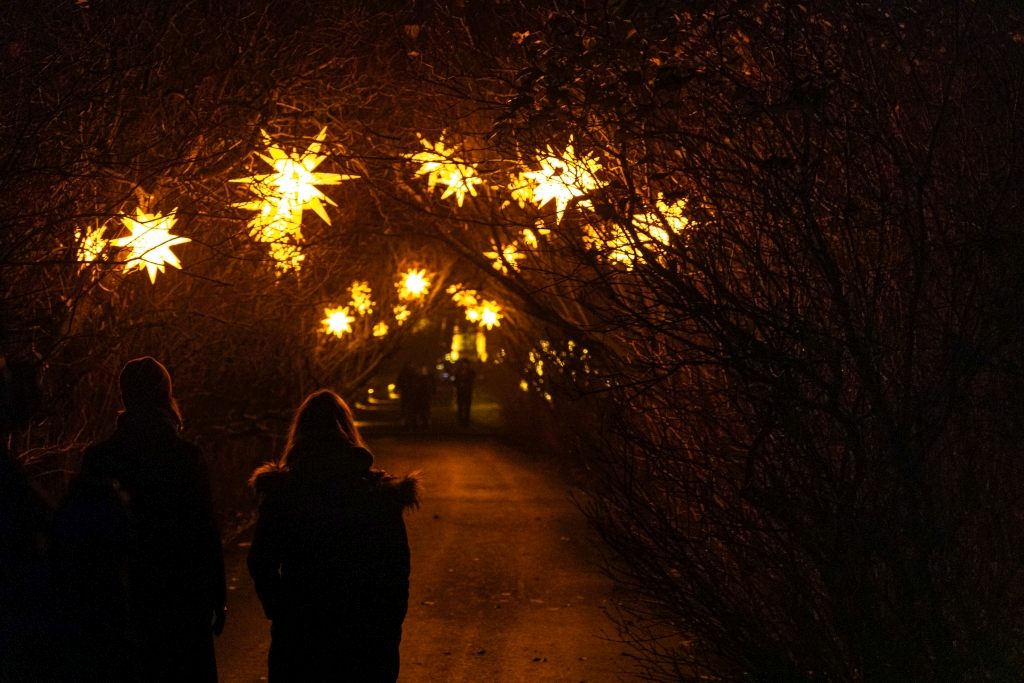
562,178
442,167
150,242
362,301
337,321
487,314
413,284
280,197
292,185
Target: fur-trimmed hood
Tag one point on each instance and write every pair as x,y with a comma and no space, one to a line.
271,478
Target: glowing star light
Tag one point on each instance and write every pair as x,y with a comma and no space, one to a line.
487,314
490,315
463,297
361,303
380,329
292,186
442,167
280,198
150,242
413,285
402,314
338,321
563,178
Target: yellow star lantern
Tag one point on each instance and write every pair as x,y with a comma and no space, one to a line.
487,314
361,302
562,178
653,228
413,284
337,321
402,314
280,197
463,297
380,329
521,188
439,163
150,242
292,185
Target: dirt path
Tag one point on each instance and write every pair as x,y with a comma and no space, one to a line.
503,586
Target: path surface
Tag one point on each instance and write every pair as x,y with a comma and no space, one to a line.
503,586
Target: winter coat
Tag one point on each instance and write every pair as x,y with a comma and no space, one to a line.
169,558
25,627
330,561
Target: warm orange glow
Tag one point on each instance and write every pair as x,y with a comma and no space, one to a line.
670,216
280,198
91,244
490,315
292,186
562,178
487,314
413,285
441,167
463,297
652,229
361,302
337,321
381,329
521,188
402,313
531,236
506,258
150,243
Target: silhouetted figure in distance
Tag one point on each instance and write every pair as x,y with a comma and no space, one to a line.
139,531
463,377
330,556
423,387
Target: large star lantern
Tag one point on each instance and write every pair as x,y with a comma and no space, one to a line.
337,321
292,186
441,167
150,242
280,197
562,178
413,284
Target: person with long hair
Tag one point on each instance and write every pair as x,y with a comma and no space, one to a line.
139,546
330,555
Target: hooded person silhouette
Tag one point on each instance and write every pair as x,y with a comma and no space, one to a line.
165,547
330,556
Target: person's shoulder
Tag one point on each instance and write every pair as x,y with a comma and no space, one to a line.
402,491
100,455
268,479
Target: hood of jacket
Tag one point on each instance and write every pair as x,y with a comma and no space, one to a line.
272,477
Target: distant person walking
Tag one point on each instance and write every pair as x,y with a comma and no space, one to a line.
138,533
463,376
423,386
330,556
